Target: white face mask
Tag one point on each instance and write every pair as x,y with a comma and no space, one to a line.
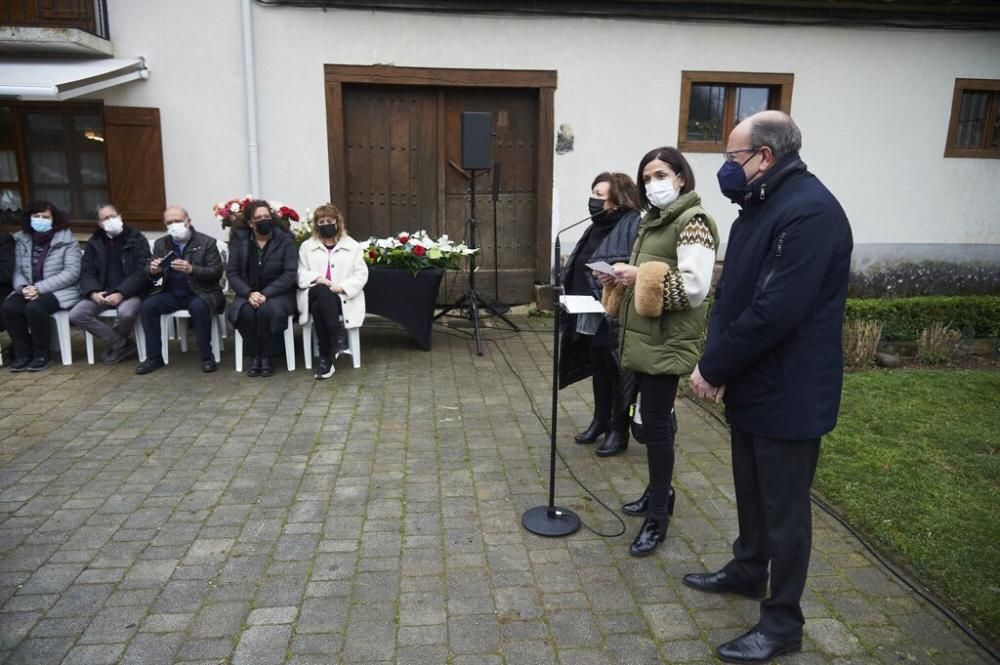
661,193
113,225
178,231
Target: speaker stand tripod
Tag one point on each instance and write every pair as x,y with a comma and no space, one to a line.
471,303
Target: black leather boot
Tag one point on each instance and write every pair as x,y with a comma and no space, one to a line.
614,443
651,534
593,431
266,367
641,505
254,367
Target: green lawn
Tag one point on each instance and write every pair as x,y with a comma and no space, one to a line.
915,465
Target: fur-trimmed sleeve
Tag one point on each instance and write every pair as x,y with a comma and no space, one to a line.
688,286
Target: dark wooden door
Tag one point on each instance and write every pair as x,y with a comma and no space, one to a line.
403,149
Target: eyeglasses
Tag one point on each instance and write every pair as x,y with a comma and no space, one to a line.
731,154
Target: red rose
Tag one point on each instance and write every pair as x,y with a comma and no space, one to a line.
372,254
294,216
404,238
419,250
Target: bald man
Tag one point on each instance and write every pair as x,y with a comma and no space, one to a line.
188,267
774,356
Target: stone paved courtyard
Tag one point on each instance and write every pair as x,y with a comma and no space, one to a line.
375,518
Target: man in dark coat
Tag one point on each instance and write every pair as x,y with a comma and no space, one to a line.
112,276
774,355
189,266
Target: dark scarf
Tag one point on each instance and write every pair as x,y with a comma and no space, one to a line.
591,240
41,243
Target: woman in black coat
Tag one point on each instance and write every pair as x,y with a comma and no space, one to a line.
263,272
589,345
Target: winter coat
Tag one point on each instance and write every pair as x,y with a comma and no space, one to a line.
61,271
348,270
278,272
135,264
202,253
574,354
774,336
6,264
662,341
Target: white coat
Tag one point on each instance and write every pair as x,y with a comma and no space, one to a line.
348,270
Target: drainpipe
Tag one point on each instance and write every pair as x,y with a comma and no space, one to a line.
251,90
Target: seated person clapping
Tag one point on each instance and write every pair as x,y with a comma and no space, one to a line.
46,273
191,267
113,276
332,276
262,272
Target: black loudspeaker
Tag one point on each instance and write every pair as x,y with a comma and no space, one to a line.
476,131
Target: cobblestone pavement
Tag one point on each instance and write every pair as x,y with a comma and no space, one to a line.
375,518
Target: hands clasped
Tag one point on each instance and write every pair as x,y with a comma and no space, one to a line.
704,389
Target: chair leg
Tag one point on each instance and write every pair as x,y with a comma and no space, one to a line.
88,340
65,347
165,323
307,352
290,344
216,340
222,331
182,332
140,339
354,343
238,341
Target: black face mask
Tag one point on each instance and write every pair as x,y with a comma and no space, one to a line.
264,227
328,230
595,205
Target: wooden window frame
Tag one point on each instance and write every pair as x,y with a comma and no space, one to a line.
543,81
784,83
972,85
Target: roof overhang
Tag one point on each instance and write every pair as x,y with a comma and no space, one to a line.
57,80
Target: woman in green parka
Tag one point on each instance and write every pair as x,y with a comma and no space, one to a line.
659,297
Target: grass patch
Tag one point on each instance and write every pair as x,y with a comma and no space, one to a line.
915,465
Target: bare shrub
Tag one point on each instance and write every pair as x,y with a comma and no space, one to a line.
938,343
861,339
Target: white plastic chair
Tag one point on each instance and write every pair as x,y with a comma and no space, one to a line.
140,337
62,337
289,346
310,345
180,318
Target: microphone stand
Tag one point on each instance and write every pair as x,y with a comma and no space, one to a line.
551,520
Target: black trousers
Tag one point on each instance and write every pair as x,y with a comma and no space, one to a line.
255,326
165,303
610,406
657,401
772,479
28,323
326,310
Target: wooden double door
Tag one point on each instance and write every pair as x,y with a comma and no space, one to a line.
401,170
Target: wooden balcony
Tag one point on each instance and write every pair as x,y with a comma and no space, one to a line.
90,16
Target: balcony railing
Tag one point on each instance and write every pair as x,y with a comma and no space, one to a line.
87,15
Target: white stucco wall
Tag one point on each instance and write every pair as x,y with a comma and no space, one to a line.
873,105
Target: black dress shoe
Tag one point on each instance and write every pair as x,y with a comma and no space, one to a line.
756,647
721,582
594,430
641,505
254,367
118,352
209,366
325,368
614,443
266,368
651,534
40,363
149,365
20,364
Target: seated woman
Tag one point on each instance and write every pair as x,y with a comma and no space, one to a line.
262,272
332,276
46,272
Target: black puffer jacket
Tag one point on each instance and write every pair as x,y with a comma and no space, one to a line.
135,264
574,359
278,274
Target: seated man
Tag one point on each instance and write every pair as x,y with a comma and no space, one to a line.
112,276
191,267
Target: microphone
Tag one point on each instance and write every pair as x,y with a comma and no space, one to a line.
603,211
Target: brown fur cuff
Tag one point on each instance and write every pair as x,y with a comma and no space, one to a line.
649,288
611,298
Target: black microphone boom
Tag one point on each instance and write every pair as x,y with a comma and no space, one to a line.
551,520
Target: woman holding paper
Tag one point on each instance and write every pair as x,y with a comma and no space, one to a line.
659,297
588,346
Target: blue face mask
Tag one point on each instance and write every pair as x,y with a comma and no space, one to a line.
41,224
733,181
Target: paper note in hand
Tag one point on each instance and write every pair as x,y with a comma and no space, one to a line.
581,305
601,266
